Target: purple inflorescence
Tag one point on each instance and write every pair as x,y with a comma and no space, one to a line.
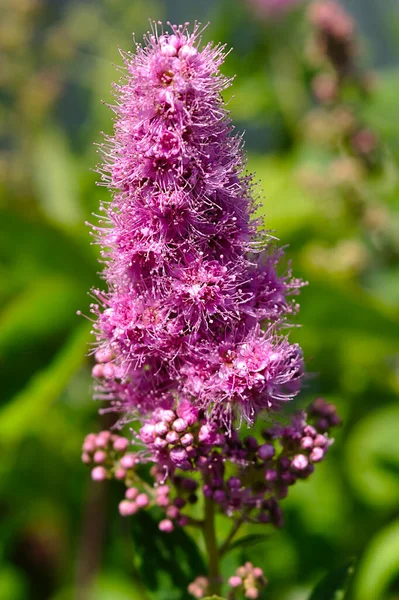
190,278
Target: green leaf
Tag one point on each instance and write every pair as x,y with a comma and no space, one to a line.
29,249
45,308
213,598
167,562
247,540
341,311
26,410
372,457
334,585
55,177
379,565
12,583
286,207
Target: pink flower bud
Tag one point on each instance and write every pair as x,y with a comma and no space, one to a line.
89,444
167,415
180,425
161,428
172,437
160,443
120,444
99,456
172,512
99,474
128,461
142,500
98,371
317,455
162,501
86,458
102,439
300,462
307,442
235,581
147,433
252,593
166,526
320,440
187,439
127,508
131,493
120,474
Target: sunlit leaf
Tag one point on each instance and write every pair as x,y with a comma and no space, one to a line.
44,308
24,412
55,177
372,457
379,566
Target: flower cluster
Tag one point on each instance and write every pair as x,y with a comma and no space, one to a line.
248,580
244,478
335,41
189,277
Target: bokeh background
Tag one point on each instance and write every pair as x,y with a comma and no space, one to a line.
334,203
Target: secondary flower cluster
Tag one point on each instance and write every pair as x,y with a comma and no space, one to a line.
335,31
248,580
245,479
189,277
336,43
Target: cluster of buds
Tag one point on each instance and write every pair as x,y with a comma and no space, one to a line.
340,85
199,587
248,580
106,453
244,478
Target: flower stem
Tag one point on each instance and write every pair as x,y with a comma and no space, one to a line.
225,546
211,547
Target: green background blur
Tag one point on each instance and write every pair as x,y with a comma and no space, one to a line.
60,532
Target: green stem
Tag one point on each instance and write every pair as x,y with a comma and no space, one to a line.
225,546
211,547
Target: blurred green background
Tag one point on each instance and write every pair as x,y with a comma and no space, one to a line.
60,535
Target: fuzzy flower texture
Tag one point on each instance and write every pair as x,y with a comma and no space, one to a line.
190,278
191,334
